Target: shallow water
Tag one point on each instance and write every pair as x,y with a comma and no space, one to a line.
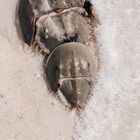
113,113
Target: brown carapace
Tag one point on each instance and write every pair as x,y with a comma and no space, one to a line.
63,32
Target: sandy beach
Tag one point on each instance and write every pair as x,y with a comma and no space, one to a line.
29,112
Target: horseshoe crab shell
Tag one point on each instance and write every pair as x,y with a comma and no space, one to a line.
70,68
70,72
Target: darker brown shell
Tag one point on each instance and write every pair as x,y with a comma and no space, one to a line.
45,24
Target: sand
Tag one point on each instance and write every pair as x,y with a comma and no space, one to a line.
29,112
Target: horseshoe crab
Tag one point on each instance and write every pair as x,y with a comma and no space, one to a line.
63,32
